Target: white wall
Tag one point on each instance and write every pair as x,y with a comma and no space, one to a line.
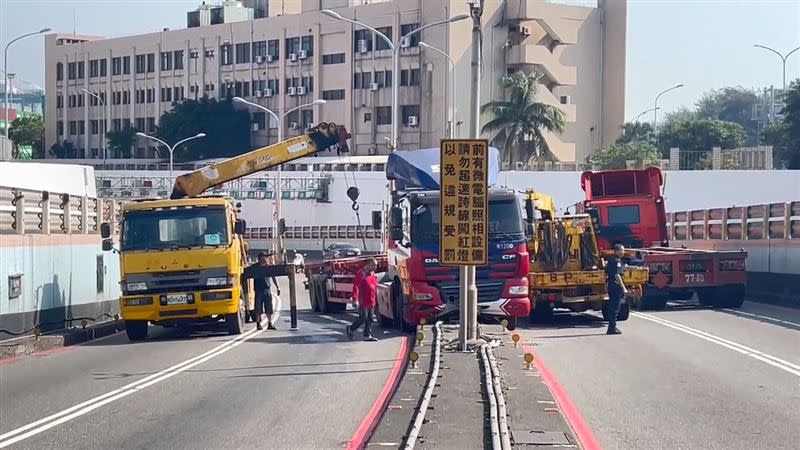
59,178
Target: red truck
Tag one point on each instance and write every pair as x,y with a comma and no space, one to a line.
330,283
628,207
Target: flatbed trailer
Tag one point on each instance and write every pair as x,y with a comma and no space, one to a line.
330,282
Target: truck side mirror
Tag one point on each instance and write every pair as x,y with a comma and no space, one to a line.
108,245
240,227
396,223
105,230
377,220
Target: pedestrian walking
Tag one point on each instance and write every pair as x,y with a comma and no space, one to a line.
615,287
263,294
365,289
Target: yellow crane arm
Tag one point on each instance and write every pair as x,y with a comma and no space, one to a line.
325,136
536,201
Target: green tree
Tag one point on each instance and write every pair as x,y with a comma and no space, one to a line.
227,129
28,131
64,150
731,104
122,141
777,135
791,121
637,131
519,121
617,156
699,135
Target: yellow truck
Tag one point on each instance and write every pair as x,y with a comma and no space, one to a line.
567,268
181,259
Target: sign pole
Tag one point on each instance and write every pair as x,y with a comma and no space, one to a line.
476,10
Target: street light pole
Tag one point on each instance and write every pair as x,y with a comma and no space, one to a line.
106,119
173,147
5,73
279,194
395,48
636,119
452,87
783,60
655,105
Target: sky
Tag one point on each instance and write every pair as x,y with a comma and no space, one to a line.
703,44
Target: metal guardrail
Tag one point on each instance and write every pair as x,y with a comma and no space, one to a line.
24,211
317,232
772,221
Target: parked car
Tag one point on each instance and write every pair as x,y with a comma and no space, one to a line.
340,250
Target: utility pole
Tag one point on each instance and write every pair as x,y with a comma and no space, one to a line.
468,273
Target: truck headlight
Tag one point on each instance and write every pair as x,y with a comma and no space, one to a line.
518,290
219,281
140,286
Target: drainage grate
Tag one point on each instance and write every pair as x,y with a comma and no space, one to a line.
540,438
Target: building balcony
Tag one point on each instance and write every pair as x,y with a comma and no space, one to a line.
544,61
545,96
561,22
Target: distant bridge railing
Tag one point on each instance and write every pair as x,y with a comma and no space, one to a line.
24,211
316,232
772,221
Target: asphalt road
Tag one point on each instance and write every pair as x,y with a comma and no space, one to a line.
284,389
684,378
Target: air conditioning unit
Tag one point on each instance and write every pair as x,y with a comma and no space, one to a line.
301,54
292,90
255,126
372,151
309,126
413,121
259,59
209,53
192,88
267,92
301,90
362,46
293,125
405,43
256,93
193,55
525,31
373,86
566,100
268,58
292,57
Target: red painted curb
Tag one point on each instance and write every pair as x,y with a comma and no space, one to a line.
584,434
370,421
55,350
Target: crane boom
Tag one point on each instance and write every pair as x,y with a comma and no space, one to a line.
325,136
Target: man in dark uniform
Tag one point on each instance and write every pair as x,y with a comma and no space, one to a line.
615,286
263,295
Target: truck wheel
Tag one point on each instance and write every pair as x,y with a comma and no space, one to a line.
710,296
624,312
733,295
322,298
653,302
136,329
542,313
312,297
234,323
512,323
397,305
683,294
336,307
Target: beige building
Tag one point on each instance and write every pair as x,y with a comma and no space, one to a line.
295,55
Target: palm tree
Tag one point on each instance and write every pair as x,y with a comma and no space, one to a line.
520,120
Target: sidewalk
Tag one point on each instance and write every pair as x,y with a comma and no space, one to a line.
27,345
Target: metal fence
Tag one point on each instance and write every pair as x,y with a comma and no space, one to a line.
25,211
772,221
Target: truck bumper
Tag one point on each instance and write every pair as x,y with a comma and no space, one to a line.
205,304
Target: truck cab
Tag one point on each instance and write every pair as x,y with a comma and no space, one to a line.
418,286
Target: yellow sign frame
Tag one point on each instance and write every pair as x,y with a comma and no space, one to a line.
463,202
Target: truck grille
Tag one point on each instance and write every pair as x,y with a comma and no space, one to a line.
488,291
164,282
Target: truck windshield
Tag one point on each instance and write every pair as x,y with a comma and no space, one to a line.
174,228
623,215
505,221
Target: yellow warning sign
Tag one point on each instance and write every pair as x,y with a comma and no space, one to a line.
464,197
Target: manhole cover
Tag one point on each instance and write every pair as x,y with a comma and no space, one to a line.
540,438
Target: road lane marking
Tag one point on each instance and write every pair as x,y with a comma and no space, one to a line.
80,409
735,346
759,316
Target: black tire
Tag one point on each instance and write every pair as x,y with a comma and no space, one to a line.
683,295
397,305
542,312
624,312
336,308
312,297
711,296
136,330
234,323
653,302
322,298
733,295
512,323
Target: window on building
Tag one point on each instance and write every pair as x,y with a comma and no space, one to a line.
166,94
260,118
59,101
292,82
380,44
226,54
81,127
79,99
409,77
73,128
116,66
141,63
308,83
243,53
334,94
306,118
177,57
72,71
274,48
384,114
333,58
94,68
307,44
380,78
366,80
103,67
409,111
151,124
362,39
60,127
177,93
102,95
71,101
166,61
151,62
293,117
81,72
151,95
126,97
95,127
292,45
259,49
117,124
59,71
126,65
140,124
210,87
408,28
274,85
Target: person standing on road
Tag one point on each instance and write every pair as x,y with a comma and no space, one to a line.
365,289
615,287
263,294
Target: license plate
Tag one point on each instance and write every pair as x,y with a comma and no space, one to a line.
695,277
180,299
